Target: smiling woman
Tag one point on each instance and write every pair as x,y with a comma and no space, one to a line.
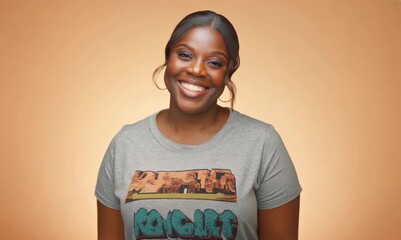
198,170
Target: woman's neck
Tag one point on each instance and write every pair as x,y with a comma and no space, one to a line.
191,129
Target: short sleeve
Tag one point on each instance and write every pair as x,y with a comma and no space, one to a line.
277,179
105,189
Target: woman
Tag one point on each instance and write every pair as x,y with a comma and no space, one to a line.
197,170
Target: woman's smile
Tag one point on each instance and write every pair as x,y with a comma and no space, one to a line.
191,90
192,87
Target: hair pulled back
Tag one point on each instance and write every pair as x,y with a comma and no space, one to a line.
223,26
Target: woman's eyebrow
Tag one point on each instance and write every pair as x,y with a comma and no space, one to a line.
218,52
184,45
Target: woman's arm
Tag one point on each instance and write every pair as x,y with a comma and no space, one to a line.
110,225
279,223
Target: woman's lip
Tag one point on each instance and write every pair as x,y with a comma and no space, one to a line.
191,90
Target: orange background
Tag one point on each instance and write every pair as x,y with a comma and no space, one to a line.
326,74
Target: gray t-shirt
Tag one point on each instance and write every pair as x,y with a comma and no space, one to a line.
166,190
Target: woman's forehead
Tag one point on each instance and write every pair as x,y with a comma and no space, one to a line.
203,37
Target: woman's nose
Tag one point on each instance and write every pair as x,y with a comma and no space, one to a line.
197,68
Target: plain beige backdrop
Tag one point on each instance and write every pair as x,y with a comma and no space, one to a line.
326,74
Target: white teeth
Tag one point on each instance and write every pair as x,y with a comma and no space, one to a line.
192,87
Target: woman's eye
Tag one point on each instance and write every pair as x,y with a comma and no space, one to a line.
184,55
215,64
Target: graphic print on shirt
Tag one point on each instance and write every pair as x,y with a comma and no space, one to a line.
202,184
207,224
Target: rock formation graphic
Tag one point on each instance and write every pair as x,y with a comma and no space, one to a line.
215,184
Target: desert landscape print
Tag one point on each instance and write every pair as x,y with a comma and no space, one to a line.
204,184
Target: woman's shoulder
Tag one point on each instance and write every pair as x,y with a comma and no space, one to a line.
252,130
249,123
141,127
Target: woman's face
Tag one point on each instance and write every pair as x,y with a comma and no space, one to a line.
196,70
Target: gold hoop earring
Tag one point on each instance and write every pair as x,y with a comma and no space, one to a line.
157,75
229,100
225,101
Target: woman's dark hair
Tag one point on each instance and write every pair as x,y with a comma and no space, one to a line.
218,22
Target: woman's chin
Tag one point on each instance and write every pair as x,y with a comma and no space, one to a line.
194,107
